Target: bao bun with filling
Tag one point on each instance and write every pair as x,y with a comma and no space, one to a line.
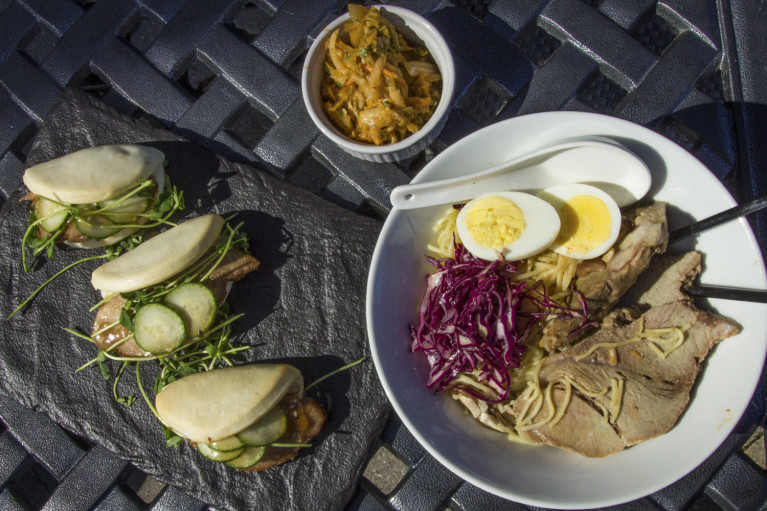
222,405
96,174
160,257
165,259
209,406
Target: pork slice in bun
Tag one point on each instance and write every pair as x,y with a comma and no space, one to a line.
167,292
98,196
249,416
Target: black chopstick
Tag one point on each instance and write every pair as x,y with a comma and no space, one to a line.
718,219
728,293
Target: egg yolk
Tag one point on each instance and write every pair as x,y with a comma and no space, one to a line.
495,221
585,224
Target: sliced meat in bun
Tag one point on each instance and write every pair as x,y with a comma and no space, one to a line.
235,414
213,405
166,293
91,182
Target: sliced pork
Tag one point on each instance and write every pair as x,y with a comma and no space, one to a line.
488,414
665,280
652,391
109,314
602,282
235,265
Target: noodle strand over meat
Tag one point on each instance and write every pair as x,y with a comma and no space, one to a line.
557,273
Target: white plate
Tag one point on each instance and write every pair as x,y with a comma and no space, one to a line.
544,476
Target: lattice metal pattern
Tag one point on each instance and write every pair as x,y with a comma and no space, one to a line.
484,100
655,34
536,44
226,75
712,86
478,8
600,93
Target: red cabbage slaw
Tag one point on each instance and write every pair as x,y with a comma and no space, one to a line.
474,318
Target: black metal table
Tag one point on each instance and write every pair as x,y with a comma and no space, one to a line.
226,74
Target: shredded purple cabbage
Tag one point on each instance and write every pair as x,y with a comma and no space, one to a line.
473,317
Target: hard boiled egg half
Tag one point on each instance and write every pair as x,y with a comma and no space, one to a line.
590,220
516,224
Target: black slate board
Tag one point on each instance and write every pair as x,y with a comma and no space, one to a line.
305,306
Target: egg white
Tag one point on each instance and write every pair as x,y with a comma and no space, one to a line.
558,195
541,228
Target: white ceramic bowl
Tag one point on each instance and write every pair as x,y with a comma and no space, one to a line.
414,28
544,476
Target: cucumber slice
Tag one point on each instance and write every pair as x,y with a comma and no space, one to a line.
229,443
248,458
96,227
158,329
266,430
52,215
125,211
195,303
220,456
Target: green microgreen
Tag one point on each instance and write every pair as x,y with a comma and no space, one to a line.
332,373
126,320
103,366
129,400
34,293
171,438
39,241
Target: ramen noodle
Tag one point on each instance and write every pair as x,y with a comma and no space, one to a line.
557,272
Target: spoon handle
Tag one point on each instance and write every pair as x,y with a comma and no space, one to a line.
463,188
717,219
592,160
452,190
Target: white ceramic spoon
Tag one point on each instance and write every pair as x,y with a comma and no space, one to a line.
597,161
